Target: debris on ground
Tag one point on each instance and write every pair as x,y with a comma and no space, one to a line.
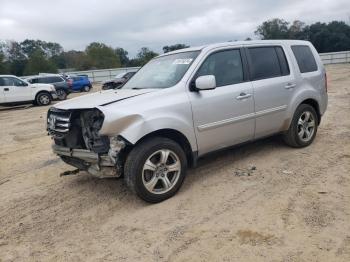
245,172
287,172
69,172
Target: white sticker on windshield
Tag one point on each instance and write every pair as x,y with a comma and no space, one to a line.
184,61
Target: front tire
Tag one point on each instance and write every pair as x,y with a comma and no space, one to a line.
155,169
303,128
43,99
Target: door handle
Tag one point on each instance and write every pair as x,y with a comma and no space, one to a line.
6,89
290,85
243,96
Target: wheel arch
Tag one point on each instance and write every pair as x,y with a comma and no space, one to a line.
312,102
176,136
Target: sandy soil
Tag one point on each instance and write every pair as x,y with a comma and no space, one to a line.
294,207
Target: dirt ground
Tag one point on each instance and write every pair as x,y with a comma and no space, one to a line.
295,206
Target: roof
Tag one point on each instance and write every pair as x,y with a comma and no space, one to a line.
8,76
236,43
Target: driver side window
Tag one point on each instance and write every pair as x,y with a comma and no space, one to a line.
11,81
226,66
18,82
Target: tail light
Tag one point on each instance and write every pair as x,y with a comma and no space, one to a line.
70,82
326,82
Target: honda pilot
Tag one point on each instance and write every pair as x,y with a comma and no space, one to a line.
190,102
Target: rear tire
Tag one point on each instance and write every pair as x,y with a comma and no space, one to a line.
303,128
155,169
43,99
86,88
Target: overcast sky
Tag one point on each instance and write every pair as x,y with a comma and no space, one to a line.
132,24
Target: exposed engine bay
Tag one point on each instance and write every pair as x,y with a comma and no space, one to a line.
78,143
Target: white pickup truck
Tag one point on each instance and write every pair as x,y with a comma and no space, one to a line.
14,90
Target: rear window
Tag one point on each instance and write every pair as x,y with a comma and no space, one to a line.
56,79
267,62
33,81
50,79
305,58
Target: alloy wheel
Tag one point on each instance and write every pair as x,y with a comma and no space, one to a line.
161,171
306,126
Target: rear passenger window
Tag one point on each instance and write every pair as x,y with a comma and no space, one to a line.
43,80
267,62
33,81
226,66
283,61
305,58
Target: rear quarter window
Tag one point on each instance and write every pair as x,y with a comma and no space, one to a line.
305,59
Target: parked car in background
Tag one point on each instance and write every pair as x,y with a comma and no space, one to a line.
60,84
14,90
79,83
190,102
118,81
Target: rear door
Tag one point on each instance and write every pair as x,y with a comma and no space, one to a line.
16,90
274,83
223,116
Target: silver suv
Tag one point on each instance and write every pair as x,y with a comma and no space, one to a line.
187,103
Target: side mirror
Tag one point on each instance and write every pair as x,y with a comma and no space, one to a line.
206,82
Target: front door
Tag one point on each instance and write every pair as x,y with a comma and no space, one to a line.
223,116
16,90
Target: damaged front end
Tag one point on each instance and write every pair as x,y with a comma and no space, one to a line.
78,143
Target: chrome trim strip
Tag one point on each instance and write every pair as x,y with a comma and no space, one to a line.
225,122
270,110
240,118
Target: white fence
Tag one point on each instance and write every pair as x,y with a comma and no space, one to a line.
105,74
335,57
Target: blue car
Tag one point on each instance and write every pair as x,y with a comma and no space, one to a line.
79,83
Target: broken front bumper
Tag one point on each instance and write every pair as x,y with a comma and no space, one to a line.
95,164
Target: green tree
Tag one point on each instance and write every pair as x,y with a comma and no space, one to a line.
49,49
3,64
102,56
273,29
37,63
123,56
16,59
77,60
331,37
297,30
144,55
170,48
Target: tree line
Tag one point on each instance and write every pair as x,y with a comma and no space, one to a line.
33,56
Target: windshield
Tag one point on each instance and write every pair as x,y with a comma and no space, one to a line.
162,72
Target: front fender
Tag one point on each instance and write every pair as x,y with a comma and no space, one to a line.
133,126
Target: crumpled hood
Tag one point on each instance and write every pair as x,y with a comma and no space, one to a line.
101,98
